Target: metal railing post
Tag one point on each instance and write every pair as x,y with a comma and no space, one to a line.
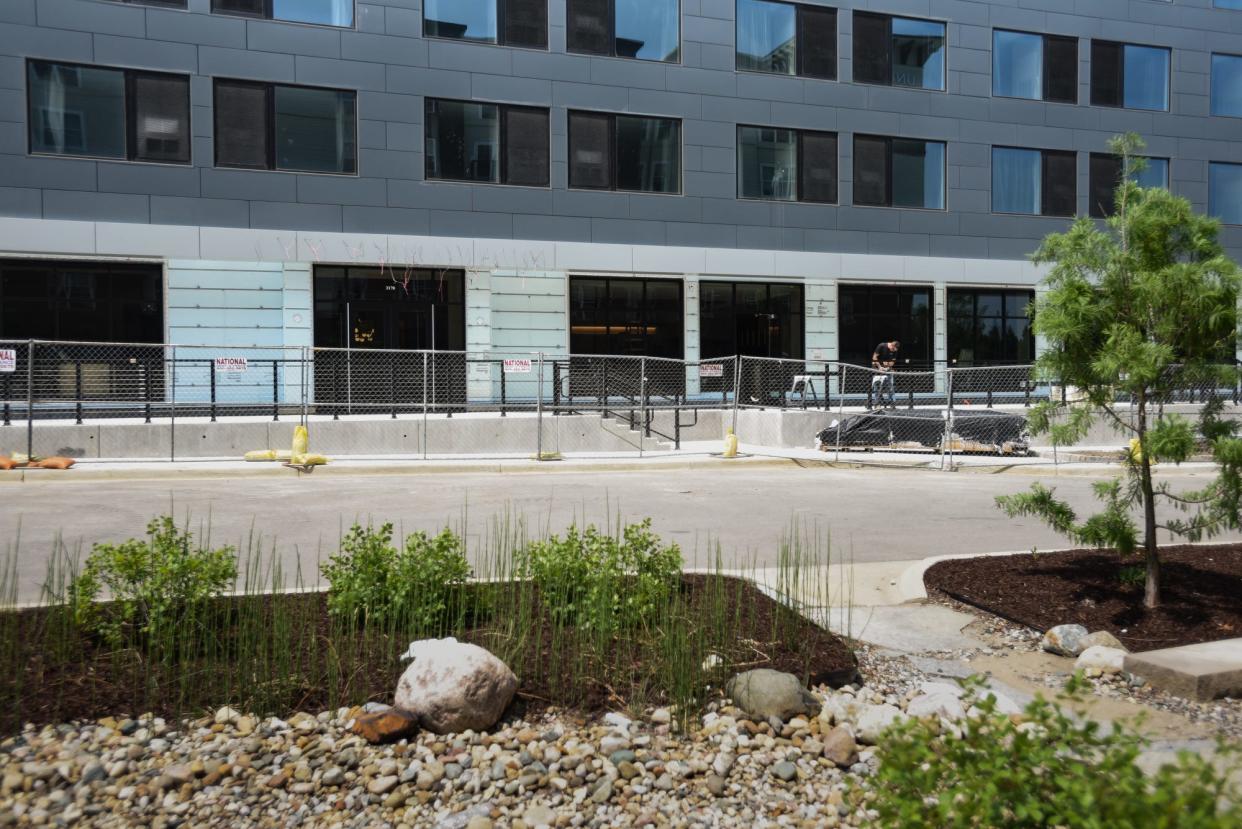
836,457
503,390
8,393
30,361
737,388
677,422
643,404
172,406
146,389
948,423
77,391
211,364
424,405
275,391
539,411
392,385
556,388
336,386
307,370
827,389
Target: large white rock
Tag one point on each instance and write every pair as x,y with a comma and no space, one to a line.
937,703
873,720
1104,659
453,686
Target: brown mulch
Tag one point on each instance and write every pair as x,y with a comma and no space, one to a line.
50,672
1201,596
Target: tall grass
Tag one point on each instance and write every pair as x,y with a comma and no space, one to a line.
271,647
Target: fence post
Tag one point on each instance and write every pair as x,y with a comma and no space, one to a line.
392,386
836,457
77,392
211,364
146,389
556,388
827,390
642,404
503,390
172,405
30,360
948,422
336,386
539,411
8,393
424,405
306,377
737,387
677,422
275,391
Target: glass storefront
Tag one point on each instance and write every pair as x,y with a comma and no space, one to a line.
989,327
754,319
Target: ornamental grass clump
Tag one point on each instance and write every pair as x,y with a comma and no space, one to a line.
1045,768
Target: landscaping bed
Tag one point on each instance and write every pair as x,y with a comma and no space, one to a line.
278,654
1201,598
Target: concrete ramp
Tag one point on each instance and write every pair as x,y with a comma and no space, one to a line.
1203,672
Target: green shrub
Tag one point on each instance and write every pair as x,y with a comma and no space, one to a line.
155,584
1048,771
600,582
371,579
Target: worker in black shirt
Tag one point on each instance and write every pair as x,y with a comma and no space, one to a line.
882,360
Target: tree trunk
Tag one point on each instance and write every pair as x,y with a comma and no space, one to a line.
1151,589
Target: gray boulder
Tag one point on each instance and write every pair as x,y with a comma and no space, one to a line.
1104,639
453,686
765,693
1064,640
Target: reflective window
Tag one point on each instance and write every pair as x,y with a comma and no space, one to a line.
767,37
88,301
1125,75
468,141
108,113
1227,85
786,165
787,39
510,22
642,29
279,127
170,4
322,12
1105,175
871,314
898,51
1018,65
1038,67
624,152
1228,4
1225,192
899,172
989,327
1015,180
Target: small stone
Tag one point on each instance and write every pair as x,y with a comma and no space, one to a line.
716,784
785,771
628,770
334,776
225,716
244,726
479,822
385,726
382,785
602,792
664,782
537,816
765,693
839,747
1104,638
1104,659
661,716
91,772
623,755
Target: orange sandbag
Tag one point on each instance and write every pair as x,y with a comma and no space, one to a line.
55,463
6,462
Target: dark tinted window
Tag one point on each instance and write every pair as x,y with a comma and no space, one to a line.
871,171
1060,186
643,29
871,314
250,8
624,152
526,23
242,138
787,39
1105,175
787,165
525,146
817,42
751,318
872,48
1106,73
818,174
899,172
161,125
511,22
275,126
1126,75
626,316
90,301
1061,69
462,140
589,26
590,150
989,327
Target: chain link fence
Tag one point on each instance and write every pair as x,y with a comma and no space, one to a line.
181,402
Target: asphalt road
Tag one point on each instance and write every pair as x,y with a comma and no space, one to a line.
869,514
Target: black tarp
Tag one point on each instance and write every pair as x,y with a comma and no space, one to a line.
978,430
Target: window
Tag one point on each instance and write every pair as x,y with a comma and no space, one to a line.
507,22
171,4
1106,175
898,172
108,113
1227,85
87,301
756,319
898,51
1125,75
626,316
1228,4
787,39
871,314
467,141
322,12
624,152
989,327
642,29
1038,67
1225,192
786,165
276,127
1034,182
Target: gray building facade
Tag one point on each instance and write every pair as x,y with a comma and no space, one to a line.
244,256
